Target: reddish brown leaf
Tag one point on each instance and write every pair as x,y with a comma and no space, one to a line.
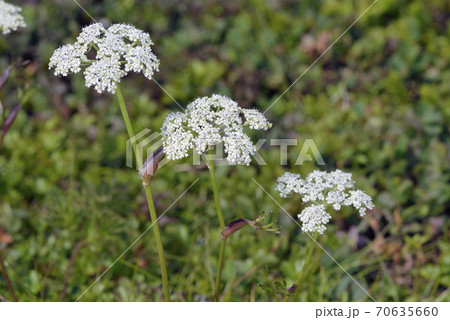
5,238
398,217
151,165
234,226
292,289
4,77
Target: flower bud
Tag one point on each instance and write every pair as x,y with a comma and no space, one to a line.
234,226
148,169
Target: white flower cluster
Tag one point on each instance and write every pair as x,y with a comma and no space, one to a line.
323,189
208,121
119,49
10,17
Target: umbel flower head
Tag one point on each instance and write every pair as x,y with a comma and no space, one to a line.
10,17
119,49
209,121
323,190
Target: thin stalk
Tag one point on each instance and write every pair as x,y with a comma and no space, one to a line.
148,193
8,281
223,244
162,262
215,191
305,266
126,119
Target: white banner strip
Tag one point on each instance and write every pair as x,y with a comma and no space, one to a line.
228,311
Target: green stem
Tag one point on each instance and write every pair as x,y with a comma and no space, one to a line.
305,266
216,192
148,193
223,244
162,262
8,281
126,119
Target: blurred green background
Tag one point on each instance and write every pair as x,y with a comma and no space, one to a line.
377,105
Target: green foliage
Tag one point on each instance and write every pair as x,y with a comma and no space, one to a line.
279,288
377,105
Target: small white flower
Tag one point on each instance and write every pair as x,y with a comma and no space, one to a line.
104,74
118,50
314,218
67,59
323,189
360,201
10,17
208,121
255,119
